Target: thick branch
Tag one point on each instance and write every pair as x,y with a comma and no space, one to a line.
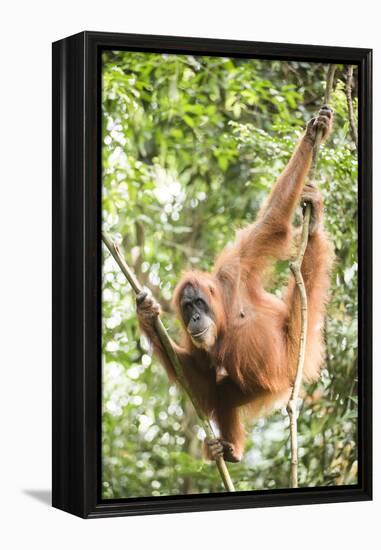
172,356
292,404
351,114
296,270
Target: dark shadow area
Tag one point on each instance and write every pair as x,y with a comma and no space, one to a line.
43,495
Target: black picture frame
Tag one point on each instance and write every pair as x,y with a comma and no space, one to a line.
77,274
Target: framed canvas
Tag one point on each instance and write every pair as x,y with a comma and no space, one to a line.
187,375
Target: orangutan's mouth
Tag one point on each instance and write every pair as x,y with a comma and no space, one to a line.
199,334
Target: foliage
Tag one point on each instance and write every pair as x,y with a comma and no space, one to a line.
191,146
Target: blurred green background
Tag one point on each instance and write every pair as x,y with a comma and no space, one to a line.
191,146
